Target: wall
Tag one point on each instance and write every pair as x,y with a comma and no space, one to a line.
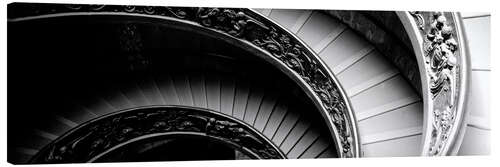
477,135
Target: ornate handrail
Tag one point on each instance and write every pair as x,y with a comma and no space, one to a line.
438,41
94,139
280,46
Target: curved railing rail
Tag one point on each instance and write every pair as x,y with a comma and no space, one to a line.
439,43
94,139
282,47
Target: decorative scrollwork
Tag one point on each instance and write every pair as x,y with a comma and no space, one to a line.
246,25
441,63
97,136
419,19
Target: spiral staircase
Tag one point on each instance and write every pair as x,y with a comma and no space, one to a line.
200,72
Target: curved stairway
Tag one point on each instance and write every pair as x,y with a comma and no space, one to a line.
388,110
279,118
200,78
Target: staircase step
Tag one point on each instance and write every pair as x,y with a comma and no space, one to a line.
168,90
241,99
304,143
135,95
329,152
353,91
343,47
391,135
46,135
393,148
387,92
183,89
100,106
151,91
402,118
112,101
26,151
199,90
263,11
66,121
298,131
285,127
277,116
253,104
212,86
301,21
363,115
319,145
319,30
265,110
290,19
373,66
227,94
352,60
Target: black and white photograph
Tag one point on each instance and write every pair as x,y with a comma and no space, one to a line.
136,83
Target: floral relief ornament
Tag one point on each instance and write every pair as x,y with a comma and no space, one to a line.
441,65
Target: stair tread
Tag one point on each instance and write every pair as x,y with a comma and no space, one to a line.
277,116
343,47
267,106
183,89
393,148
253,104
318,28
227,95
304,143
286,17
285,127
198,89
240,99
298,131
168,90
389,91
402,118
316,148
